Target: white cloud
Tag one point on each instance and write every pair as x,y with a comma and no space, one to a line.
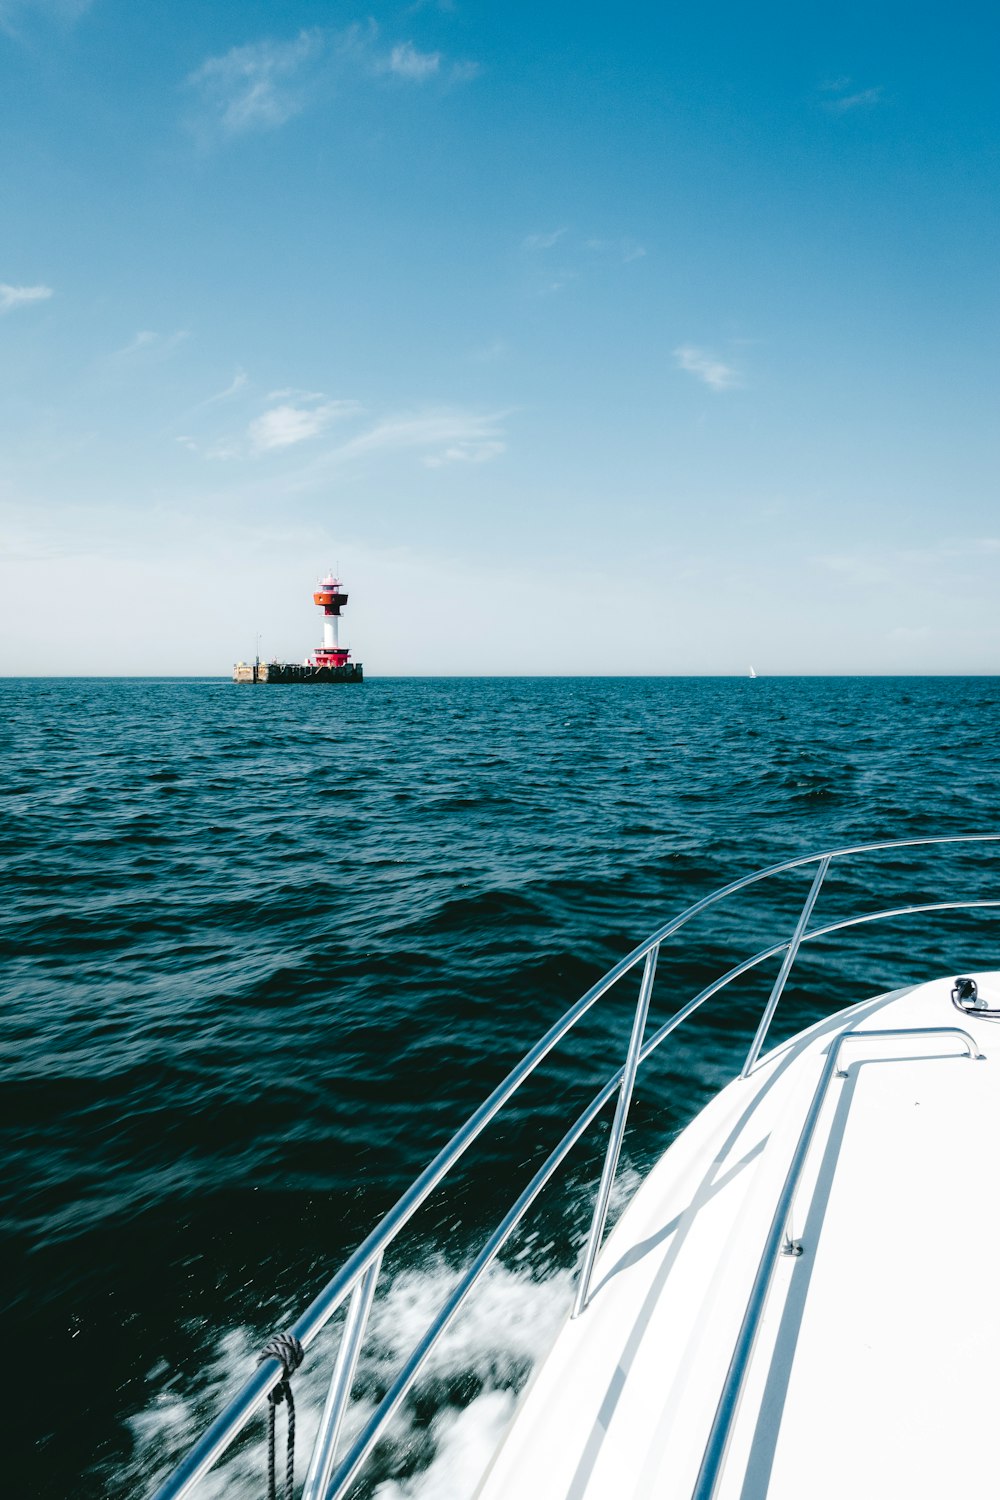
237,384
283,426
714,372
146,342
486,354
542,241
262,85
452,435
21,296
65,12
576,257
405,61
438,436
558,283
465,71
861,99
258,86
628,249
143,339
467,453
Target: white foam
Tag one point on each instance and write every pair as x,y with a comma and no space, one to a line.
487,1353
464,1441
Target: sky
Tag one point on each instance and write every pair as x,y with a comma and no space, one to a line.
578,339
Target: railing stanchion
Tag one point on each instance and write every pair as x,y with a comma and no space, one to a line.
617,1133
337,1397
786,966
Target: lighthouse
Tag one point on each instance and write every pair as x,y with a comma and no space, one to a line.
331,600
330,662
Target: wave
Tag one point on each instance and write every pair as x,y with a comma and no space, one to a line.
267,952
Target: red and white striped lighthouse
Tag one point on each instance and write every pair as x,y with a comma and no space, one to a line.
330,599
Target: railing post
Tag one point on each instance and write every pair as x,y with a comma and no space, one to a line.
617,1132
786,966
337,1397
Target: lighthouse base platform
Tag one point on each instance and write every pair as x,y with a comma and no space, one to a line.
290,671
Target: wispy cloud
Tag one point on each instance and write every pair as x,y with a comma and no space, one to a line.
294,393
284,426
466,453
149,344
406,62
436,436
21,296
626,249
864,99
487,354
706,367
876,569
63,12
264,84
544,240
577,257
238,383
840,97
258,86
464,71
858,568
442,435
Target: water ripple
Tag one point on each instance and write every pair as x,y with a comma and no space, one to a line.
265,949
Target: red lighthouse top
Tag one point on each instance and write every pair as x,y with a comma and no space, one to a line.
329,596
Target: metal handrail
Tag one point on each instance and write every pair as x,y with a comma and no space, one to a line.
721,1430
359,1273
791,953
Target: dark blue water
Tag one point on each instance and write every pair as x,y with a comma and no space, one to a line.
266,948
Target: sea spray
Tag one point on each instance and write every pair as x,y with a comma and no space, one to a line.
440,1441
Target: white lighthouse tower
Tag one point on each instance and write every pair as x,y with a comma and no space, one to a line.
331,600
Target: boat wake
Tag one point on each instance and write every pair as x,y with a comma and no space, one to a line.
440,1442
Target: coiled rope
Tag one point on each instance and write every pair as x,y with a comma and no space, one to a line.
287,1350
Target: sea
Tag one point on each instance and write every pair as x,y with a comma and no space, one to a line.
266,948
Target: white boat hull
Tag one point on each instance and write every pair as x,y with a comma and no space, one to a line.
875,1365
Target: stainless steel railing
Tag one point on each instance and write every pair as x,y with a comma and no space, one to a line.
330,1473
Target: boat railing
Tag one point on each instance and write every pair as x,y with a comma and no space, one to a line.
330,1471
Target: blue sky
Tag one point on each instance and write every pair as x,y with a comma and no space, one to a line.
583,339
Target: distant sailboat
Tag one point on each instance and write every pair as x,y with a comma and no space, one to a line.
752,672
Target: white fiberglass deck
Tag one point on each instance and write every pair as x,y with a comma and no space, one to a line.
876,1367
